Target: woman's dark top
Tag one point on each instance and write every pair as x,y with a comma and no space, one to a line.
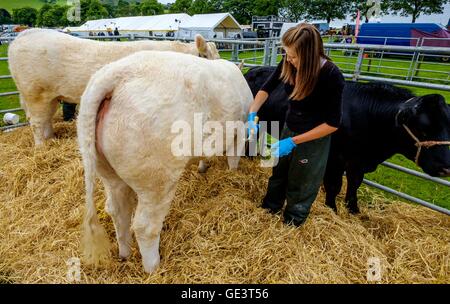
323,105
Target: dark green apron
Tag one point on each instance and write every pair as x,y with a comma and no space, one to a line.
297,179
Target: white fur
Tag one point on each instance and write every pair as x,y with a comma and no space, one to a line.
148,91
48,66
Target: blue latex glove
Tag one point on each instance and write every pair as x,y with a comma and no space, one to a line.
283,147
251,124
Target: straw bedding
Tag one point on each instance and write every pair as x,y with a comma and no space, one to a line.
214,233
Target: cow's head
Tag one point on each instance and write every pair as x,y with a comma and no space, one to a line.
206,49
428,119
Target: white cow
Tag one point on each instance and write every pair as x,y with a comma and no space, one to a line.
48,66
124,133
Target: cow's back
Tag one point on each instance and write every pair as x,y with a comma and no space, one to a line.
54,64
151,91
368,107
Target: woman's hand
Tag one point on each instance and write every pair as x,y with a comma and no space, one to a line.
283,147
252,124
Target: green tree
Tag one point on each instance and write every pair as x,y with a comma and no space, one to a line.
111,9
366,8
42,11
415,8
53,16
122,9
201,7
267,7
134,10
96,11
25,16
151,7
328,10
5,16
294,10
181,6
242,10
217,6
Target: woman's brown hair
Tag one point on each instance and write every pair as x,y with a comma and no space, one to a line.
305,40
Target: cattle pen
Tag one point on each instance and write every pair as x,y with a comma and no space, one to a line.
358,62
213,231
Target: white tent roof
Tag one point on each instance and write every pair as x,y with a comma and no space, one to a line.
286,26
141,23
211,21
335,23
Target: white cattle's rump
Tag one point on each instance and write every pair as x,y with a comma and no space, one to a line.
134,102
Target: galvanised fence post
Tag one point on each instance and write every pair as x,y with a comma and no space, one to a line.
234,53
266,59
274,56
358,65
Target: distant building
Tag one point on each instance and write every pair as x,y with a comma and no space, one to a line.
268,26
159,25
211,26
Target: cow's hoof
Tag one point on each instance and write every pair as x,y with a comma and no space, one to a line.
353,210
333,207
202,167
151,266
124,254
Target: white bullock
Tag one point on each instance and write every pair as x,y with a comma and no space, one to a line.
48,66
124,132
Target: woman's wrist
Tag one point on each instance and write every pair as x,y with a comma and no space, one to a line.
316,133
297,139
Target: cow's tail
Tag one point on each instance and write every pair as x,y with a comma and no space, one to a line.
95,243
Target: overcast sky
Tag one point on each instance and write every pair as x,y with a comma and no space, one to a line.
441,18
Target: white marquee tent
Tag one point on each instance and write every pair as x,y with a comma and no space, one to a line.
210,26
184,26
157,25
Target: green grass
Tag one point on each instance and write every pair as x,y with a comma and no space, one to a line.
7,85
415,186
429,191
9,5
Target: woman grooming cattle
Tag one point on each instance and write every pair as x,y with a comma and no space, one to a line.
372,130
315,87
48,66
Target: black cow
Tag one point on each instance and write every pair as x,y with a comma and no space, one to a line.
373,130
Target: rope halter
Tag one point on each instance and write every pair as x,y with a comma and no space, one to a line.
419,144
427,144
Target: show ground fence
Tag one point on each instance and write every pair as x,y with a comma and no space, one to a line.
416,66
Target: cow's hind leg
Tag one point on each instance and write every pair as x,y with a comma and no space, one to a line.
40,113
120,202
333,181
234,153
354,180
233,162
148,220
